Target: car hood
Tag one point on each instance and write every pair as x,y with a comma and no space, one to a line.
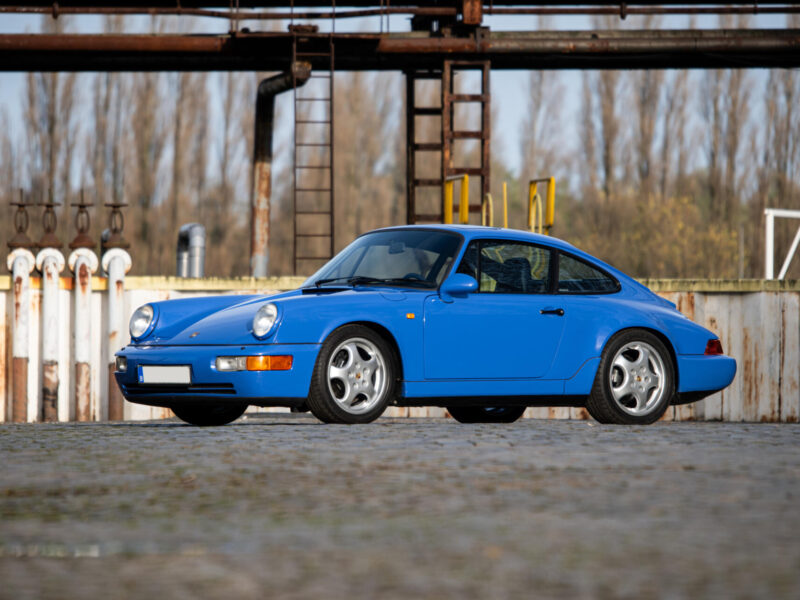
227,320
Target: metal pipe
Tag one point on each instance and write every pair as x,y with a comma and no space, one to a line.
621,9
116,263
50,262
262,162
769,248
20,262
619,49
83,263
191,251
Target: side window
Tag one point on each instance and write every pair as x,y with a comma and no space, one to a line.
507,268
577,277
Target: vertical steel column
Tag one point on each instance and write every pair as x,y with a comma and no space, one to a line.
20,262
411,139
83,262
447,128
50,262
116,262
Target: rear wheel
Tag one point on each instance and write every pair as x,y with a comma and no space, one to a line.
486,414
354,378
206,414
635,382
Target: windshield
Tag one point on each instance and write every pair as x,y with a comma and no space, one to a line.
416,258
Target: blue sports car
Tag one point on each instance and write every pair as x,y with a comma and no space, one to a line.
482,321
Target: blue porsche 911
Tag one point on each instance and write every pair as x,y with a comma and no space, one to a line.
482,321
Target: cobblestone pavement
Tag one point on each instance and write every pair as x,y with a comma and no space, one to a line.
282,506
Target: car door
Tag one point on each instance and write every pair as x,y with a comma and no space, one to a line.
509,329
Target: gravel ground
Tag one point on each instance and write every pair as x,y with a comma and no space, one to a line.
282,506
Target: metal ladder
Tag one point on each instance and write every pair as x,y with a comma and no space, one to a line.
312,157
449,136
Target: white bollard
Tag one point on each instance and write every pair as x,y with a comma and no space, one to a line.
50,262
83,262
20,262
116,262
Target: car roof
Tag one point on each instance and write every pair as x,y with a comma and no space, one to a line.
471,232
478,231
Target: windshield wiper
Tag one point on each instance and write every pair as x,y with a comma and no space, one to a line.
350,280
363,280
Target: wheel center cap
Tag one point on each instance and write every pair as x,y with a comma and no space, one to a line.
358,375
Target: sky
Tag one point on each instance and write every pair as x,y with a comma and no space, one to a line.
508,87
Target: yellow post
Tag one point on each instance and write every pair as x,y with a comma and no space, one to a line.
488,204
550,213
463,206
534,203
505,205
463,203
447,209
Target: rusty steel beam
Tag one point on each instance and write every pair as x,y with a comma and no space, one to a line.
470,11
626,49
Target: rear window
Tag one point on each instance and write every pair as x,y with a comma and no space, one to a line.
578,277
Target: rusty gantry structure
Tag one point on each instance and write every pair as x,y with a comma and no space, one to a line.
445,37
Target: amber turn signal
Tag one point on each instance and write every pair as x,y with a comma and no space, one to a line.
269,363
714,347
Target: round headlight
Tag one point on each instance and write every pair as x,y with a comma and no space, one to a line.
141,320
264,320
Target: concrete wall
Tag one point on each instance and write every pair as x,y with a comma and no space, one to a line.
757,321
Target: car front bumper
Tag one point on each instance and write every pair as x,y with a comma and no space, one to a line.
264,388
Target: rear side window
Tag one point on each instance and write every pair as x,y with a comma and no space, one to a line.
577,277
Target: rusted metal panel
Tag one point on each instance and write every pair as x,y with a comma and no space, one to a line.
83,391
472,11
19,394
50,390
790,354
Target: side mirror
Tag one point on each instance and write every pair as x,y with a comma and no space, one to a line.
458,285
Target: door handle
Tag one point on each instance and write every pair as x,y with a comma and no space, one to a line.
552,311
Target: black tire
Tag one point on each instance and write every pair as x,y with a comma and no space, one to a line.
355,377
624,390
208,414
486,414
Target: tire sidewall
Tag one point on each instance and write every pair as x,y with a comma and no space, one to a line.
321,401
612,347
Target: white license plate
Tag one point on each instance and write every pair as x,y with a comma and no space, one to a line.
165,374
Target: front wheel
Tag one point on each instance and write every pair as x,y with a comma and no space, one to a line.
207,414
635,382
486,414
354,378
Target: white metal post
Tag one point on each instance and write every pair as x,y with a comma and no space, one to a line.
769,248
83,262
116,262
20,262
50,262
